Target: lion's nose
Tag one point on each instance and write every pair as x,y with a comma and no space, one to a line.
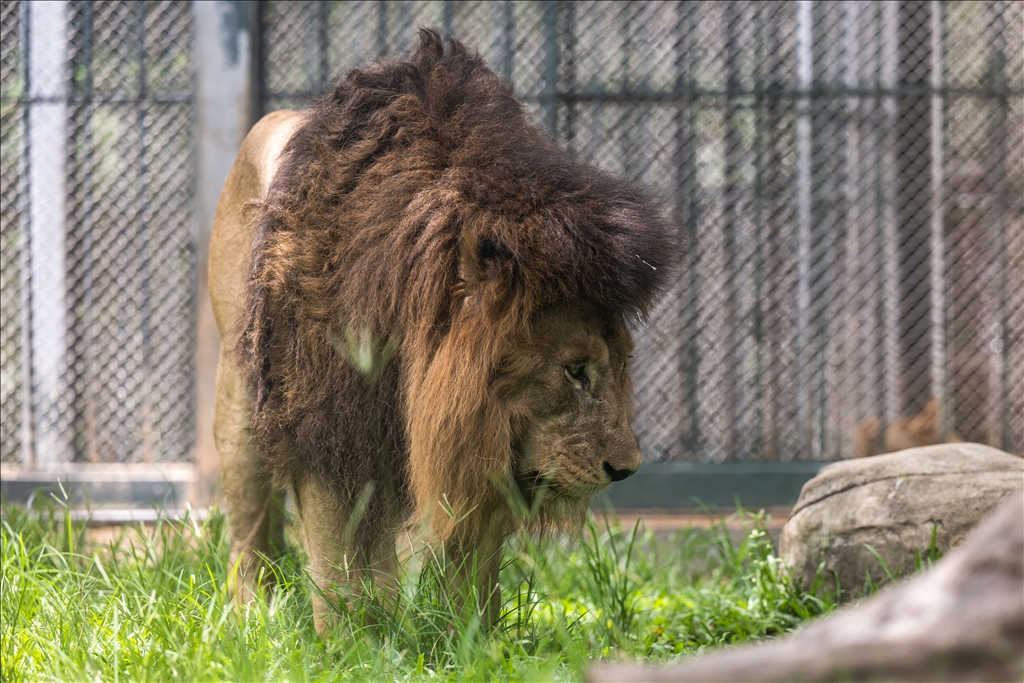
617,475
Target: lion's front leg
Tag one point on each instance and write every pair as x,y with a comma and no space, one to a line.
488,588
472,574
345,547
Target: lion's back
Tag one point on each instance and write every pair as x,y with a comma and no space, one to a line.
231,237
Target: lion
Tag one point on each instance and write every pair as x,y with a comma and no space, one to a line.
427,310
922,429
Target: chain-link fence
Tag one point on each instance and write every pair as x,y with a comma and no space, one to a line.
98,238
851,174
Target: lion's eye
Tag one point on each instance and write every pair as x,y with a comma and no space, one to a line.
577,374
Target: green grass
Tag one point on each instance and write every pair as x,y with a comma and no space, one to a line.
153,606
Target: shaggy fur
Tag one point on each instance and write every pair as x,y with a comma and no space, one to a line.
416,225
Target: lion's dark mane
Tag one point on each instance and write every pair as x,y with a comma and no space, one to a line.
414,201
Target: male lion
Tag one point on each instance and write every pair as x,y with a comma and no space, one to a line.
430,303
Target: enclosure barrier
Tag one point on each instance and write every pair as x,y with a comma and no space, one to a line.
849,175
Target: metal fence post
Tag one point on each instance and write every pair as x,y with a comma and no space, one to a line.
49,441
735,438
224,45
551,58
938,208
688,212
913,178
996,162
804,140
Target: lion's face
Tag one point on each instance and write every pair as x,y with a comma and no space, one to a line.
568,388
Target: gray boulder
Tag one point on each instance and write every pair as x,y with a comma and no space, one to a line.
893,503
962,620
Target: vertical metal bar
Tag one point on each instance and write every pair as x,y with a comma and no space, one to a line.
382,28
570,75
885,20
734,448
939,272
88,230
551,58
508,43
322,43
879,121
757,318
627,109
47,189
688,210
145,385
913,177
189,441
828,211
996,172
805,74
404,23
258,65
778,244
448,16
27,455
846,399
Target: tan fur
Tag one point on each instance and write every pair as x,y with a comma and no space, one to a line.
431,305
922,429
256,519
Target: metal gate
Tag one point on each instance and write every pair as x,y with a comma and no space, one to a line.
98,232
98,237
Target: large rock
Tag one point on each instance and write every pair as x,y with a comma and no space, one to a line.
962,620
892,503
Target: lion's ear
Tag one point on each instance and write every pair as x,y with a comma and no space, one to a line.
484,269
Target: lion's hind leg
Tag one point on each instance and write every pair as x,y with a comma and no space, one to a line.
255,508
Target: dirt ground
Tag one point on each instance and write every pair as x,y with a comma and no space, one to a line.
663,522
